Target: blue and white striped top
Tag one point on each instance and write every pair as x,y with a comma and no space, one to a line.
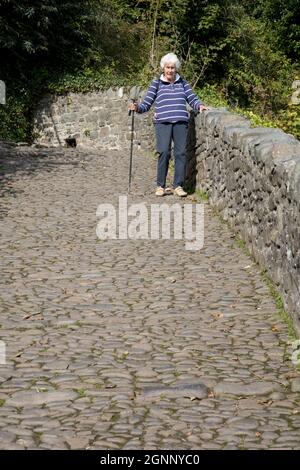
170,100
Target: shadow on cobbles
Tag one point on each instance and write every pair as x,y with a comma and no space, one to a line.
16,162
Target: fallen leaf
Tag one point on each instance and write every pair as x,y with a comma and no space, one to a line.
265,402
217,315
193,398
291,375
275,328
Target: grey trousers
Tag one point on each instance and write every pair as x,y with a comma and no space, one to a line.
167,132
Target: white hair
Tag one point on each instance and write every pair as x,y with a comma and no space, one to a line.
170,59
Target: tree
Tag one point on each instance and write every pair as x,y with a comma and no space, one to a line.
55,34
283,18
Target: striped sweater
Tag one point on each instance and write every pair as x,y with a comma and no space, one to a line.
170,100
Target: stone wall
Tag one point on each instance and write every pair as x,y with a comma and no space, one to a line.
252,176
98,119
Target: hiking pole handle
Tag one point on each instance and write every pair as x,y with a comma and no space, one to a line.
130,111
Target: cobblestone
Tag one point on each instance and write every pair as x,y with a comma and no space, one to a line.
130,344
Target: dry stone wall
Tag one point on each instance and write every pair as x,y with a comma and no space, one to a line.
97,119
252,176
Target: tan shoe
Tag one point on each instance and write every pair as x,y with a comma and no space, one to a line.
159,191
179,191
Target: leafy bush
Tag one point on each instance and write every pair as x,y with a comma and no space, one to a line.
287,119
15,123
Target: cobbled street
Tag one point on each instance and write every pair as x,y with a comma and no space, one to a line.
131,344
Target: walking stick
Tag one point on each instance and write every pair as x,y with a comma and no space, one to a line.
133,96
131,146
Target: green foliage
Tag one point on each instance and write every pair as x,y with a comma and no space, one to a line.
201,195
60,46
85,80
256,74
242,54
210,95
285,316
287,119
282,17
15,122
32,31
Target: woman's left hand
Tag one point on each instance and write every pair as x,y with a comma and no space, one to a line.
203,108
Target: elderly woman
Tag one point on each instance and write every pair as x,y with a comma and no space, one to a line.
170,93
